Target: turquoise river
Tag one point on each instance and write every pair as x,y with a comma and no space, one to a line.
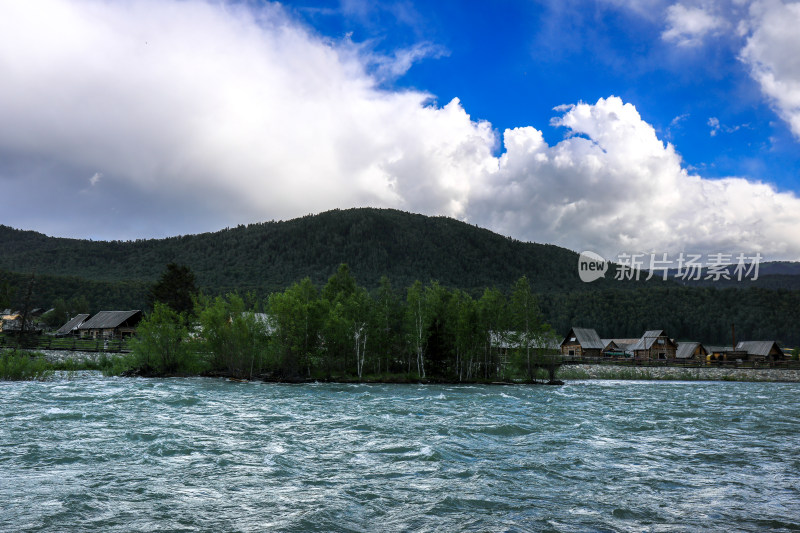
91,453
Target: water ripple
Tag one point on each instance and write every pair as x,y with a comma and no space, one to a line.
103,454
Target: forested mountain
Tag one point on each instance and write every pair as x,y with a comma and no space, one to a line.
271,256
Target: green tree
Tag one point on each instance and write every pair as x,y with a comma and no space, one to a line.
439,350
493,324
297,317
234,336
526,322
349,320
6,294
58,315
387,318
463,325
162,343
176,288
417,319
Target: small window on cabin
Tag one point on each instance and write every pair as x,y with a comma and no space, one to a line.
662,355
572,339
572,352
660,341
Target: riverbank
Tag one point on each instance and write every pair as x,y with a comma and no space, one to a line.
91,360
678,373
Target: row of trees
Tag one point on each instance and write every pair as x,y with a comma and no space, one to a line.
343,330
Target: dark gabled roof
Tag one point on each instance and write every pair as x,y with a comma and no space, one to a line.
108,319
686,349
607,344
758,347
647,339
586,337
72,324
625,344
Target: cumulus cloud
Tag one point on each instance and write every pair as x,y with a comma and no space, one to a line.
613,186
204,114
688,25
772,55
225,108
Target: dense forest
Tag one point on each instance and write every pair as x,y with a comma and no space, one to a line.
271,256
261,259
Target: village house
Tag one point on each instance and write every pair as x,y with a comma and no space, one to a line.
760,350
10,320
111,324
654,344
582,342
691,351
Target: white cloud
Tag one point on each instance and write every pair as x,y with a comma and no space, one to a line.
772,53
96,177
688,25
614,186
766,30
226,107
205,114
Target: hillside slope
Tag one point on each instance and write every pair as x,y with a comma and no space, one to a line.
270,256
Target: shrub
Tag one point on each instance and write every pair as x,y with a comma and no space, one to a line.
17,366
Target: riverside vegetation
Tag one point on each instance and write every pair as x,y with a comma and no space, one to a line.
345,332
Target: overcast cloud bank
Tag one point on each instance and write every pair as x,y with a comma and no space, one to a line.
147,118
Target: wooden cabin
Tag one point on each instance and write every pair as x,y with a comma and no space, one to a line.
582,342
111,324
761,350
691,351
654,344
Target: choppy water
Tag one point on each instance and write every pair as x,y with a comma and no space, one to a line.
100,454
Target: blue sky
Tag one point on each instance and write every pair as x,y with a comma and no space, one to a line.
611,125
512,62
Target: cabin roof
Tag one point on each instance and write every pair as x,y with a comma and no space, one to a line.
758,347
647,339
686,349
608,342
108,319
625,344
72,324
586,337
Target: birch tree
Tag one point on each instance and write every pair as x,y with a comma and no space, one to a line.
417,324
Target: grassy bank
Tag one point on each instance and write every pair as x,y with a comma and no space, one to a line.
24,366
